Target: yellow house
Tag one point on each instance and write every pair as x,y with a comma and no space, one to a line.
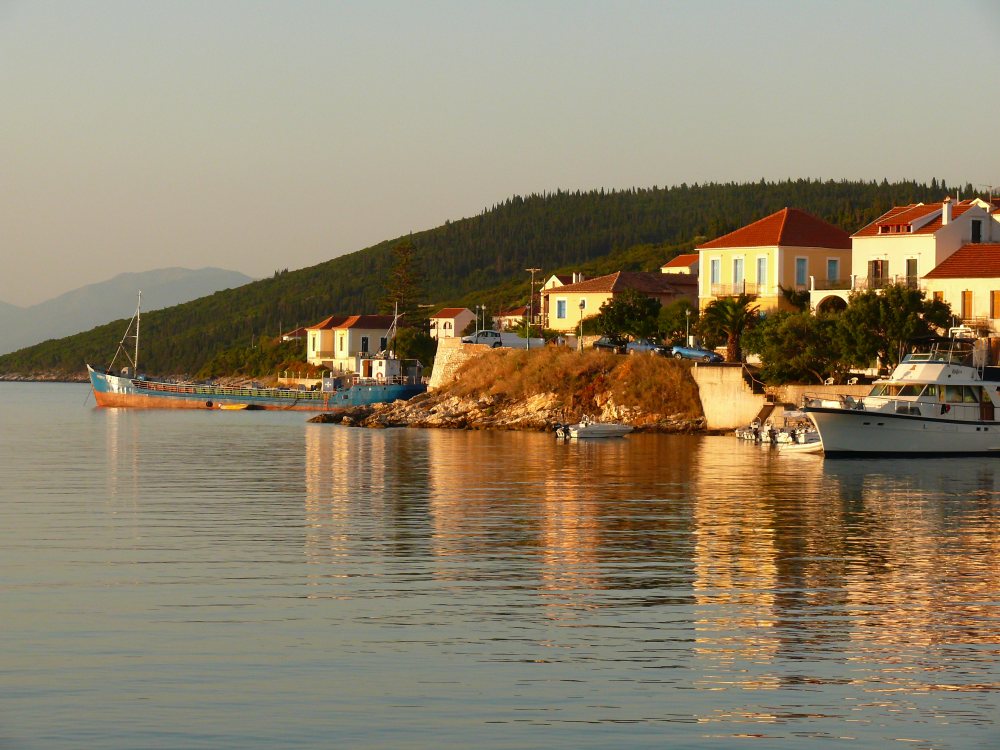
786,249
564,307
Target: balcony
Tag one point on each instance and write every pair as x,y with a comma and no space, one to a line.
735,290
880,282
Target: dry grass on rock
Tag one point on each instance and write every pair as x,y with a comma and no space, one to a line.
582,382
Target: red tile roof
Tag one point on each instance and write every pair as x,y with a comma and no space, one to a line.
647,283
906,215
682,261
980,261
789,227
334,321
515,312
450,312
369,322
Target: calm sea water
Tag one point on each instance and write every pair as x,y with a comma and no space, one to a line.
248,580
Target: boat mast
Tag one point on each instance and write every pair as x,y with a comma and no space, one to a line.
135,361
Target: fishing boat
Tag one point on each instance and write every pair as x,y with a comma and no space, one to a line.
940,400
378,378
589,428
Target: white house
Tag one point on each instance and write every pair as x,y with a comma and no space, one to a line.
686,263
336,342
450,322
906,243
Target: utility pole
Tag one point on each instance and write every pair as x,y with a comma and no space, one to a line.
531,300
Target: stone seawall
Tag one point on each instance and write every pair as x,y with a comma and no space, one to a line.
729,402
726,399
451,355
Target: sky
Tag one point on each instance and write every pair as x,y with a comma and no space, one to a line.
259,135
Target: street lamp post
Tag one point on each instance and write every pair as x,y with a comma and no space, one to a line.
583,304
687,327
531,299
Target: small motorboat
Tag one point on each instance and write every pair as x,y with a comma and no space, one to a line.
588,428
809,446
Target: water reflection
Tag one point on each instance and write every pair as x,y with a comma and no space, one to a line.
745,572
248,572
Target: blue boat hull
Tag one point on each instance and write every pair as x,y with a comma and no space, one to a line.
121,391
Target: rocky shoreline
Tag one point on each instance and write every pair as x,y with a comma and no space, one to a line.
539,413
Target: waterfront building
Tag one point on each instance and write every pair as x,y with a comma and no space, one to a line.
337,341
781,251
450,322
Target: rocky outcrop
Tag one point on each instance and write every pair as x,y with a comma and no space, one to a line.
540,412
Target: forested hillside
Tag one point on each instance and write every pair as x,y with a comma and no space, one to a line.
475,260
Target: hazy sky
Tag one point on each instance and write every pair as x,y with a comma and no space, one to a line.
263,135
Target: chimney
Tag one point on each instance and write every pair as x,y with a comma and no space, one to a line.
946,212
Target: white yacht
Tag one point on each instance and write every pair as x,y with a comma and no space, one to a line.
939,401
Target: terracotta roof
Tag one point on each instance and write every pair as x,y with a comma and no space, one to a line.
647,283
789,227
369,322
334,321
450,312
979,261
682,261
906,215
518,312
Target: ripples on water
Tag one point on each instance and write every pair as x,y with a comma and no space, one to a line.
240,580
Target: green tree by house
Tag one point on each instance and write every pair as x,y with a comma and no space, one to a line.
728,319
797,298
630,314
404,288
413,343
878,324
676,320
797,347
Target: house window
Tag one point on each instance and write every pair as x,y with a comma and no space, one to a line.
911,273
561,309
716,270
878,271
364,344
312,346
939,296
737,274
343,346
761,271
801,271
995,303
966,305
832,269
977,231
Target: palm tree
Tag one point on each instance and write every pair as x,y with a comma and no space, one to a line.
729,317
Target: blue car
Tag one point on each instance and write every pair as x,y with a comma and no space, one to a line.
695,352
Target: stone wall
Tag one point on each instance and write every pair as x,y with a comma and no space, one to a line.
726,399
452,354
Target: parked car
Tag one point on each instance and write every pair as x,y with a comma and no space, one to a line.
610,344
695,352
497,339
644,345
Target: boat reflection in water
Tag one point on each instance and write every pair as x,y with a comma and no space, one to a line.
697,563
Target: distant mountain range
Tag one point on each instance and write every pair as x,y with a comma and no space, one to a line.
94,304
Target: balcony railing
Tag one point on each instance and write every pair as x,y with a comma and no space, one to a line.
734,290
861,283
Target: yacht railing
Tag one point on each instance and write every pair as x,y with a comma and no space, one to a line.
964,411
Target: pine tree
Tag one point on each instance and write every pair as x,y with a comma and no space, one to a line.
404,288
